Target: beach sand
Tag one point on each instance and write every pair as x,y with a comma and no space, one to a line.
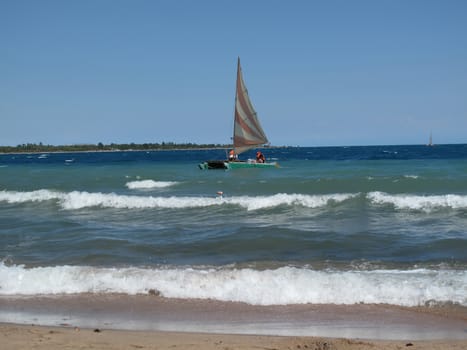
152,322
53,338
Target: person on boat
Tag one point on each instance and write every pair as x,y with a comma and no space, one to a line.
232,156
260,157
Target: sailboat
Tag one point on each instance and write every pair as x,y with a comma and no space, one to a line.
430,142
247,134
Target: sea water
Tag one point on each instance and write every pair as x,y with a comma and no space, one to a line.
333,225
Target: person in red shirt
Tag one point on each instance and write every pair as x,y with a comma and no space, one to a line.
260,157
232,155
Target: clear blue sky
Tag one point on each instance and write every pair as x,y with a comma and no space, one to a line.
319,73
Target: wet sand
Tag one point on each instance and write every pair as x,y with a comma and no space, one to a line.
149,321
17,337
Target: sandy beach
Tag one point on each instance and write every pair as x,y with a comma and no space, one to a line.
51,338
153,322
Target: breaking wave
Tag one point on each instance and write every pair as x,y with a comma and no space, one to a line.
415,202
281,286
79,200
148,184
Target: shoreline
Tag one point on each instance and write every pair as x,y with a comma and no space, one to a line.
16,337
119,150
152,313
211,148
207,148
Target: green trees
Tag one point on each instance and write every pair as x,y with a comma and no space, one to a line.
41,148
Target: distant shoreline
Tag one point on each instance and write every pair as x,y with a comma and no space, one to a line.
38,149
116,150
155,147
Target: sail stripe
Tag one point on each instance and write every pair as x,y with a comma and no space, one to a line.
243,100
248,132
244,103
249,116
254,136
244,130
246,142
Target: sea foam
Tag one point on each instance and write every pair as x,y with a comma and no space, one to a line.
31,196
148,184
417,202
281,286
81,199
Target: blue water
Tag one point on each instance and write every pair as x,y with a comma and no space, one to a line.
343,225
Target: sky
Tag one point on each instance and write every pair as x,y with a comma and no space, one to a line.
319,73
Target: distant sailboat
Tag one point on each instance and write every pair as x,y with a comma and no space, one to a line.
430,142
247,134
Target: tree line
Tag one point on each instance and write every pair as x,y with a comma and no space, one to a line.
34,147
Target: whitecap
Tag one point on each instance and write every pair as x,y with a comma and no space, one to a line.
411,177
148,184
280,286
418,202
82,199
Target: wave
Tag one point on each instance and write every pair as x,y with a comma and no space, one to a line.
79,200
148,184
411,177
281,286
416,202
31,196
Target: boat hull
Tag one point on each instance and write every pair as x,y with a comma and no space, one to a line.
251,164
213,164
226,165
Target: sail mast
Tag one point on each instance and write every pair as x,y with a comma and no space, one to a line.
248,132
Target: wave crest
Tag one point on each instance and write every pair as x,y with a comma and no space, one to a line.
81,199
416,202
148,184
281,286
78,200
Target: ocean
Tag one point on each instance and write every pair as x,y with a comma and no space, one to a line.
332,225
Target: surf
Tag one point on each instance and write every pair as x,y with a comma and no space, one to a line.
149,184
81,199
425,203
279,286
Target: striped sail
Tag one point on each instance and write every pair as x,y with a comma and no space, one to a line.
248,132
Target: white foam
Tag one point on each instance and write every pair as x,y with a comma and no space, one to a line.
31,196
281,286
79,200
309,201
411,176
148,184
416,202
